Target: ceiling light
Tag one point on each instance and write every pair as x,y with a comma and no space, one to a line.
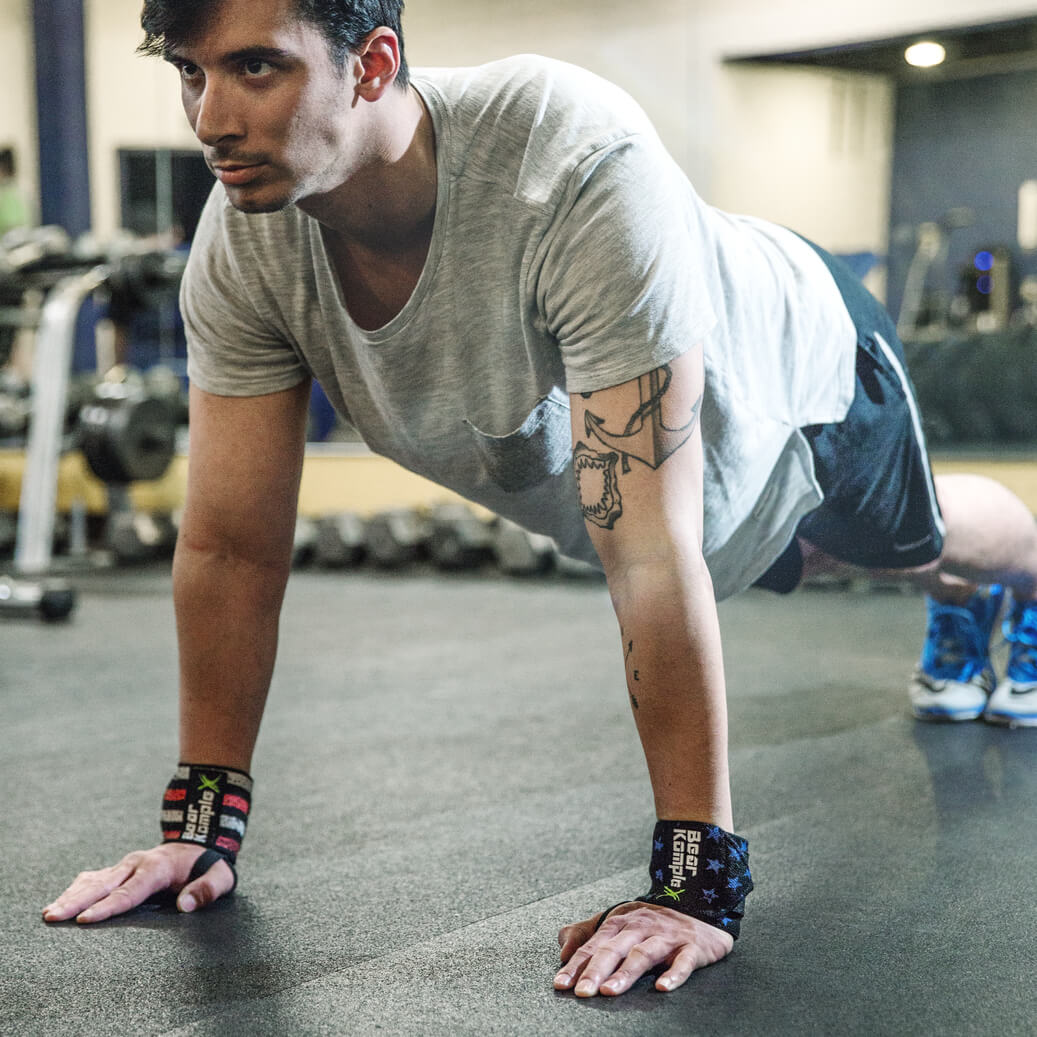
925,55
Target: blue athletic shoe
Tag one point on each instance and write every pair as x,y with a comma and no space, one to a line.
1015,700
954,678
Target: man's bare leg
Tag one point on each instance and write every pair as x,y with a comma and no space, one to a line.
991,538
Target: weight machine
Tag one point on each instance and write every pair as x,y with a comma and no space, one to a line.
124,433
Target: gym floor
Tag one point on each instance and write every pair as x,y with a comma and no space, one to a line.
448,772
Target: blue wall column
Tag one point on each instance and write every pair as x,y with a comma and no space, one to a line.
61,118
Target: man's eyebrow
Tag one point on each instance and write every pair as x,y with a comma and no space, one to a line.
235,57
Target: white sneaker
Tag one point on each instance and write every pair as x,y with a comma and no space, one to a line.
1013,704
935,699
1015,701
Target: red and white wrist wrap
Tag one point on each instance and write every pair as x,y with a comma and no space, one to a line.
208,806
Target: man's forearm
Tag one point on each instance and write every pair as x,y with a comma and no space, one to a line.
675,677
227,610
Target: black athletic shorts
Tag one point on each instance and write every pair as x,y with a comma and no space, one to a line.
879,509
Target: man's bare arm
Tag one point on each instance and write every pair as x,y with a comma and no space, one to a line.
230,570
638,458
638,461
232,563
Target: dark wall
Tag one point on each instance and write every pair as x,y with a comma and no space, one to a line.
970,143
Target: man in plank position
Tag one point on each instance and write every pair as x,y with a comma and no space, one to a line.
505,283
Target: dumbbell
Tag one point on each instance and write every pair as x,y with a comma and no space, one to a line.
27,248
458,538
124,434
14,416
15,405
340,541
134,537
397,538
522,553
51,601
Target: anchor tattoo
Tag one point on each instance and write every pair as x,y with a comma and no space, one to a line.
646,437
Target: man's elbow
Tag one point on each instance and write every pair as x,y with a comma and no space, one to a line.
230,550
656,559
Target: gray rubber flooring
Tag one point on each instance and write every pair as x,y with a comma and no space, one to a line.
448,773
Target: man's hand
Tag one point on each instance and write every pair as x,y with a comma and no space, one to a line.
633,940
97,895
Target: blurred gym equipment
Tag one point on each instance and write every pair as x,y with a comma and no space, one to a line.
925,307
124,423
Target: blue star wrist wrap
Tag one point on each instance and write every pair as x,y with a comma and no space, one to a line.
702,871
208,806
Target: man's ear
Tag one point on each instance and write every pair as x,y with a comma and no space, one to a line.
379,58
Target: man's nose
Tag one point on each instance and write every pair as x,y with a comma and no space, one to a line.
215,115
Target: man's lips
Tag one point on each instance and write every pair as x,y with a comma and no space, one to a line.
236,174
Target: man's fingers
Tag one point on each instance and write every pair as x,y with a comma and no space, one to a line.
573,936
683,966
87,889
632,942
604,958
98,895
217,881
133,892
579,943
571,970
641,959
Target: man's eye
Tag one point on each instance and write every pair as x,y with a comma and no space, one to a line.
188,71
258,67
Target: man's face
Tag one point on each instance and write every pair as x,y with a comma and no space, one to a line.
269,105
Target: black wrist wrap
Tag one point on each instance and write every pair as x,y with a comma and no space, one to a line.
702,871
208,806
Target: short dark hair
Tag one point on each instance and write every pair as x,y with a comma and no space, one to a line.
345,24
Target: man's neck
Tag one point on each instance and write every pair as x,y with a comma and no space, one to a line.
388,203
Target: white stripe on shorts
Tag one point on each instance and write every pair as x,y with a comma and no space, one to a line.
916,420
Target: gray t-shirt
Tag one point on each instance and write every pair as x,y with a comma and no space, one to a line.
569,254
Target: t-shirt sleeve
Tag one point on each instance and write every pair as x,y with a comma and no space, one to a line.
623,284
233,349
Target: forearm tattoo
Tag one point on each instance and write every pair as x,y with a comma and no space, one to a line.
646,438
634,676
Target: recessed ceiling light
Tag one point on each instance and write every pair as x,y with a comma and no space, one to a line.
925,55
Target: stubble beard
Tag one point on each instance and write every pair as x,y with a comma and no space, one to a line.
285,197
256,206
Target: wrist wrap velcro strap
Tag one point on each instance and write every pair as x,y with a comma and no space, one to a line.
702,871
205,861
207,806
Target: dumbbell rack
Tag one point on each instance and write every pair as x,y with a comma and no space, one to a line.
52,365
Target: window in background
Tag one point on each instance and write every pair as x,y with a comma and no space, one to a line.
162,189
